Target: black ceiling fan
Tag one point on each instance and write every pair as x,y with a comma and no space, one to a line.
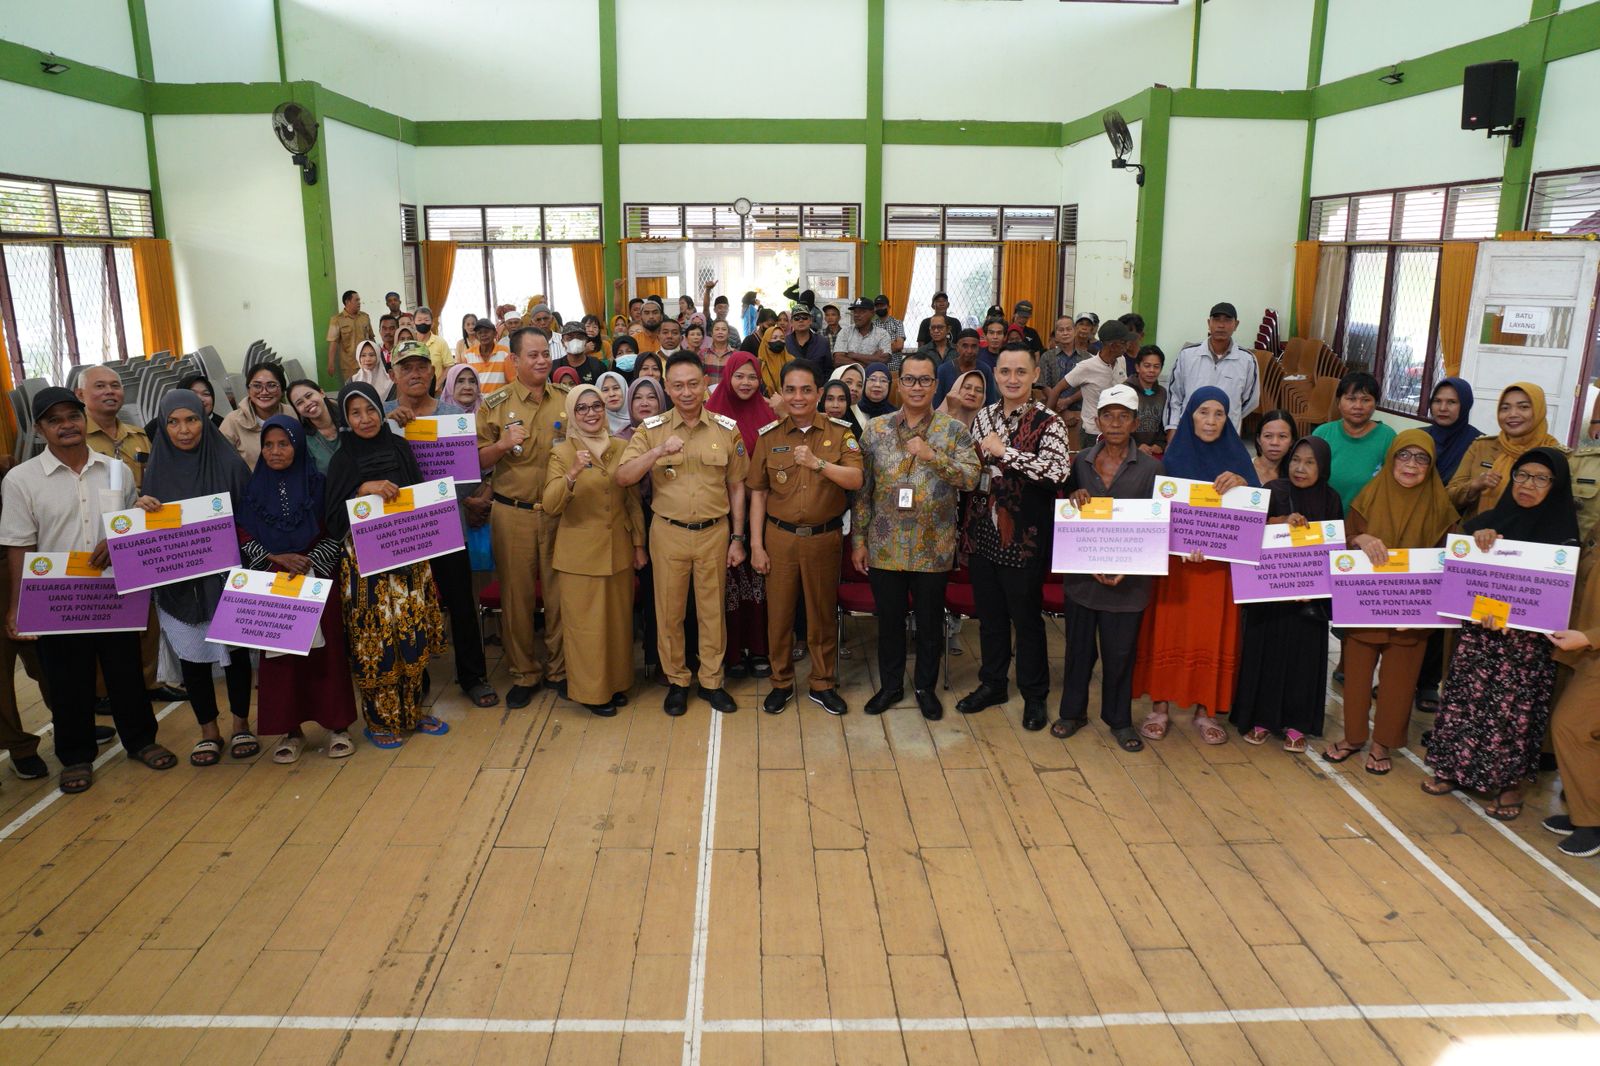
1121,143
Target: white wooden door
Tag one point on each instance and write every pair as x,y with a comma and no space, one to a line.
829,269
1532,319
659,259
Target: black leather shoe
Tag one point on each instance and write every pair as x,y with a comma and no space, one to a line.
601,710
561,688
981,697
759,666
30,767
520,696
928,700
830,700
167,694
777,700
1034,716
677,701
619,699
718,698
737,670
883,699
104,734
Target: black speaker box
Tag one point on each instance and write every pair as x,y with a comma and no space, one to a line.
1489,95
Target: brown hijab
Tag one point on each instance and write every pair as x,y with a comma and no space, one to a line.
1417,517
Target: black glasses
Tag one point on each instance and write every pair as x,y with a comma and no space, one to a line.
1522,477
588,408
919,381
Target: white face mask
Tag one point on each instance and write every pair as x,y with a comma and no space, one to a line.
576,347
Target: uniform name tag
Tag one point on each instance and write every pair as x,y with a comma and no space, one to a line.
907,497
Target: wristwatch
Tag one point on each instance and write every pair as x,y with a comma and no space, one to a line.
740,537
820,464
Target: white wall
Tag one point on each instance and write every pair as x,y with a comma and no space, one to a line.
37,144
721,173
939,174
1566,136
1364,35
364,192
507,174
232,202
1026,60
1416,141
90,31
203,40
736,59
1229,227
1108,217
1255,44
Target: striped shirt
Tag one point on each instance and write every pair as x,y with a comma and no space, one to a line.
493,372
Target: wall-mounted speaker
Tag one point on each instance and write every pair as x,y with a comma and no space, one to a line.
1489,95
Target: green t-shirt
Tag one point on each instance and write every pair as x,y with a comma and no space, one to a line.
1355,459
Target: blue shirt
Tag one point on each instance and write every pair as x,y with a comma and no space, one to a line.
948,372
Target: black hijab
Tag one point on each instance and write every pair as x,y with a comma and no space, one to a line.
212,467
1554,521
1319,502
386,457
283,509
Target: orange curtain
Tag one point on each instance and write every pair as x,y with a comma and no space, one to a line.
1306,256
1031,270
8,424
590,262
656,286
897,260
158,296
438,268
1457,262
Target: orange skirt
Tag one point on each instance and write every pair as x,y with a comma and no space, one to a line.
1189,644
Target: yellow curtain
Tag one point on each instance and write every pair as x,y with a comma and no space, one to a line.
1457,262
1306,256
158,296
656,286
590,262
438,268
1031,270
8,424
897,260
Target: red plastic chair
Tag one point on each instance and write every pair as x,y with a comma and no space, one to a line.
854,598
1055,596
959,602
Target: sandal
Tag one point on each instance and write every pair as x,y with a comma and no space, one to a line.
1294,741
244,745
1340,752
382,738
206,752
1257,735
288,750
76,778
1128,739
1438,786
1504,812
156,757
340,746
1428,701
1062,728
431,726
1378,765
483,695
1209,730
1155,726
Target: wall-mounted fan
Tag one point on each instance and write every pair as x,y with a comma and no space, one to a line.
1121,139
297,132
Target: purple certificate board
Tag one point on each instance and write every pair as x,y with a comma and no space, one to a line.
185,539
422,524
1288,571
446,446
1227,529
1403,595
1132,540
1535,579
61,593
264,610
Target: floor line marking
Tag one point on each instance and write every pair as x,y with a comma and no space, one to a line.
55,794
694,1009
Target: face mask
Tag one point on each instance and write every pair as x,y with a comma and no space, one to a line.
625,362
424,328
883,312
576,347
774,346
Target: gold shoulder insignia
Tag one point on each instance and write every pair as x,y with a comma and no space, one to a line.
561,386
840,422
724,421
496,398
654,421
770,425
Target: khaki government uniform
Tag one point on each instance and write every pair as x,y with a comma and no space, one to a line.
1585,463
349,331
689,536
803,539
599,525
132,446
521,532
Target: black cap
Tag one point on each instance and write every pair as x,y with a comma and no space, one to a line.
861,303
1112,331
485,322
48,398
964,334
1224,310
940,295
881,299
1024,305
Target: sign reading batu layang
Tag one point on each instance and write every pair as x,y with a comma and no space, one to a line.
1294,564
270,611
61,592
1225,527
445,446
1403,593
178,541
1110,536
1526,585
420,523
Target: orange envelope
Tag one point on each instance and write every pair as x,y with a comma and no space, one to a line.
286,584
422,429
1097,507
78,565
1306,536
400,503
1399,562
1485,608
170,516
1204,496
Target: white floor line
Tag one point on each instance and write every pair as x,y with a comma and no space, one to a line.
395,1024
694,1010
55,793
1499,928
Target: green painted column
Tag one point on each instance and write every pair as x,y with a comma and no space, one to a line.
1319,33
316,209
145,67
1516,179
871,279
1154,135
610,152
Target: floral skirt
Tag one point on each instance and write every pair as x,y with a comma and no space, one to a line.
393,624
1493,709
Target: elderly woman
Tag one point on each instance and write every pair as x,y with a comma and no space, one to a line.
265,390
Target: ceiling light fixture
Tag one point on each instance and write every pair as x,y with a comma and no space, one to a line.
51,66
1394,77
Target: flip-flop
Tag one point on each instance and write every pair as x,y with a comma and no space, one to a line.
1294,741
1257,736
1340,751
392,740
428,725
1439,787
1373,770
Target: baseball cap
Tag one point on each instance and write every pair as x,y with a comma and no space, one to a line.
881,299
1092,318
940,295
861,303
571,326
48,398
484,323
969,332
799,311
409,350
1224,310
1118,396
1024,305
1112,331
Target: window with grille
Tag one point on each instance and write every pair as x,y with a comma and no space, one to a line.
1565,201
719,222
67,291
1466,211
958,250
513,223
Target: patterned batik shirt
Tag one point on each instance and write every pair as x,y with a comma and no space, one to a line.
920,537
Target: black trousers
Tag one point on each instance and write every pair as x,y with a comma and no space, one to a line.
1006,598
203,694
1118,633
69,666
453,574
889,590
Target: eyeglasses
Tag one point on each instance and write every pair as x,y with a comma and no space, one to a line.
1522,477
1413,458
589,408
263,386
920,381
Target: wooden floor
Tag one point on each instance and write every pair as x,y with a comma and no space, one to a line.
543,886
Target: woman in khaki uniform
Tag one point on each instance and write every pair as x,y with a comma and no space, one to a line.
1575,730
599,544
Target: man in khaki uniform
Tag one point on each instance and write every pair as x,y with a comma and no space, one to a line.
100,391
347,329
517,427
1585,462
697,466
802,466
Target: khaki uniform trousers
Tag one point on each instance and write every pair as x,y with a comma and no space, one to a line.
677,554
524,544
1575,731
808,564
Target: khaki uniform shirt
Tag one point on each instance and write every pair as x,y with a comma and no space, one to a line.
601,521
1585,463
349,332
522,477
130,445
798,494
691,486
